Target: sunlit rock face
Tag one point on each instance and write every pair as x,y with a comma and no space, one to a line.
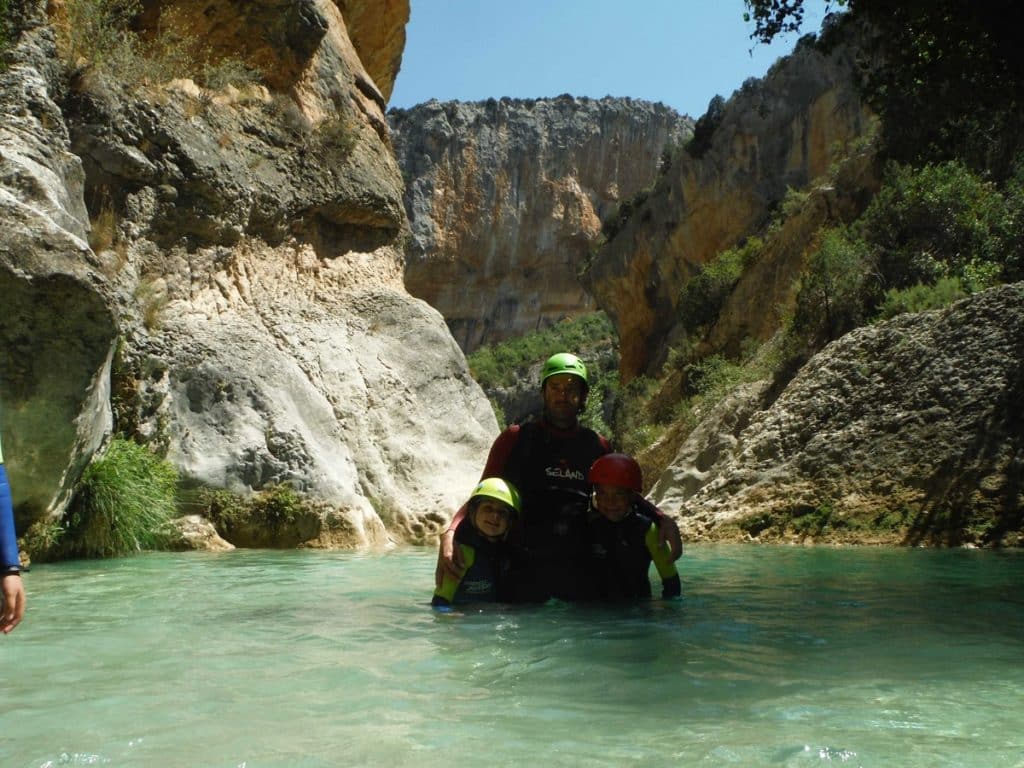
779,132
505,199
279,36
377,30
246,258
918,419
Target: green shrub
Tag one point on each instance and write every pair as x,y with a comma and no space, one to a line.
151,294
812,521
274,511
278,505
100,33
919,298
272,507
43,540
836,280
715,376
502,364
123,503
611,226
935,222
604,387
634,427
229,71
703,296
337,138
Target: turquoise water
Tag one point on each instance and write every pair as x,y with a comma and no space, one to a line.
774,657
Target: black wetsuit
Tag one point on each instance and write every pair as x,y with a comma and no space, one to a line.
486,576
621,554
549,466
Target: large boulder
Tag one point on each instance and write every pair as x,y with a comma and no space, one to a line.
918,420
59,322
245,254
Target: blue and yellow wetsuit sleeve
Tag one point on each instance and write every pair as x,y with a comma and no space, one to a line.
444,595
9,560
662,559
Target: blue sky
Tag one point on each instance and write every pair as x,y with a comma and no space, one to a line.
679,52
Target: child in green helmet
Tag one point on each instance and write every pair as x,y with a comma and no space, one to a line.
493,506
623,542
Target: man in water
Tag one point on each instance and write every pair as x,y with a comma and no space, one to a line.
548,461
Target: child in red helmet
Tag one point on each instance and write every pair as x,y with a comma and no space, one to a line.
623,542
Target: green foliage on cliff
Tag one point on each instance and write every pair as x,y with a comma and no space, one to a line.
5,28
98,32
123,503
832,293
702,297
931,235
941,220
502,364
919,298
101,34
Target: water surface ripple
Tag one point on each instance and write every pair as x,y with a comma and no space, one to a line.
773,657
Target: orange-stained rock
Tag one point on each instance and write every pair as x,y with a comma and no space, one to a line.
774,134
377,30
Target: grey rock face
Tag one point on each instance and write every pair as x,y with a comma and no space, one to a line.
246,258
922,414
57,323
505,201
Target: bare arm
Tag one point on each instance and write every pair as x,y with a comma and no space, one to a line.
13,608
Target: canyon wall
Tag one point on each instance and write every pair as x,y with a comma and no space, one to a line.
780,132
505,200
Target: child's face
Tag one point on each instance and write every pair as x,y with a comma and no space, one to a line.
612,501
491,518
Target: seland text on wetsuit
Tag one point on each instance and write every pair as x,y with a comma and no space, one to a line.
549,466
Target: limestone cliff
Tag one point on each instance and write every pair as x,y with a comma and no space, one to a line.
228,261
506,197
779,132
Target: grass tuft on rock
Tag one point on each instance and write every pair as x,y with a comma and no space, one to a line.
123,504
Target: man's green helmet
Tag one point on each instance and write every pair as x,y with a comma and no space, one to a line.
496,488
564,362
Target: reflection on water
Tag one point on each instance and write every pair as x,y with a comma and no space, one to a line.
774,657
